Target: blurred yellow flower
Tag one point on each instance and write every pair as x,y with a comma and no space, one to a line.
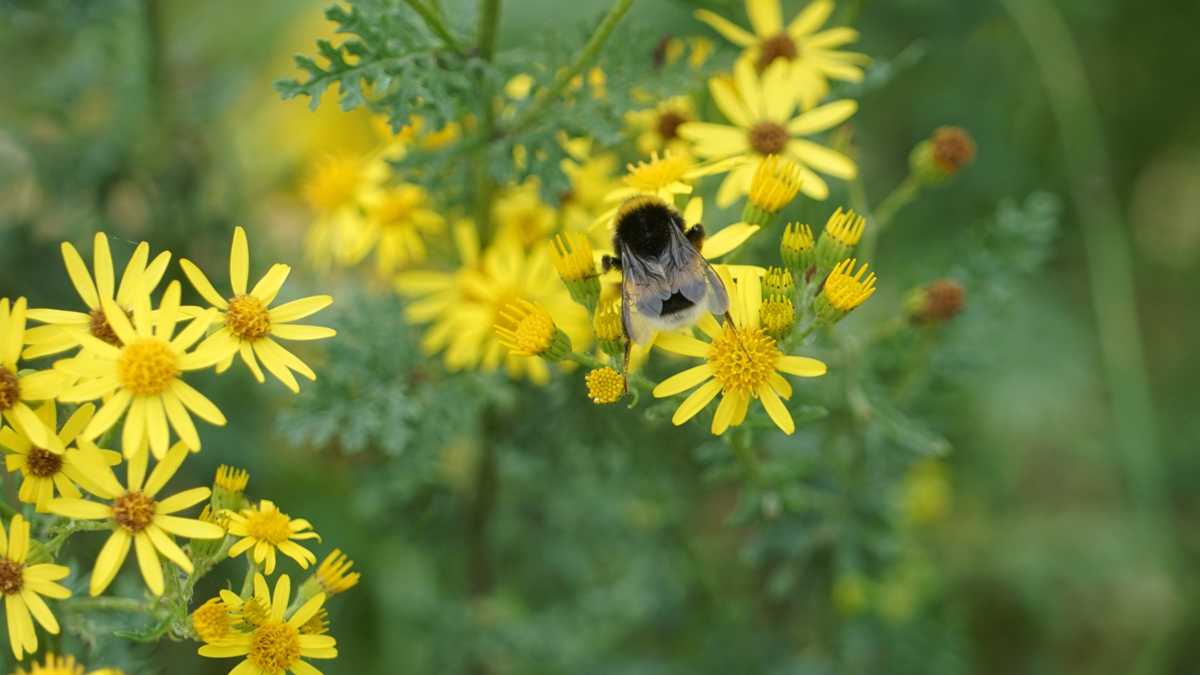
141,277
63,665
23,586
398,219
333,190
812,56
741,361
144,376
759,110
45,472
276,644
520,214
249,326
264,529
138,519
21,386
464,305
592,177
657,129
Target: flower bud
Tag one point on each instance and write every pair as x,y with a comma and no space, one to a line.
604,385
777,316
606,324
945,153
577,268
778,281
229,487
937,302
842,232
843,291
796,249
527,329
775,184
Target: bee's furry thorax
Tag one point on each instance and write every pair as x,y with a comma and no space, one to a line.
642,224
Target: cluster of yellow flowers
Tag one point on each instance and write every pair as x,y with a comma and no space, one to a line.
121,362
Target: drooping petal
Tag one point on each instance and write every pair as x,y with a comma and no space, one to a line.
108,562
149,563
775,409
696,402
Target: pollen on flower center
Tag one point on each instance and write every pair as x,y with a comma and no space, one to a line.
247,317
10,389
12,577
42,463
768,138
147,367
657,173
269,526
133,511
275,647
212,620
669,123
604,385
742,359
100,329
777,47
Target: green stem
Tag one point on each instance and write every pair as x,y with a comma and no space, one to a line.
248,580
489,19
433,20
111,604
900,197
591,50
1109,264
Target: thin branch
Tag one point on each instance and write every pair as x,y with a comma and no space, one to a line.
435,23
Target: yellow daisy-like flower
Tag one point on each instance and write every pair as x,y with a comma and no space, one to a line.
23,586
665,177
333,576
249,326
141,277
144,376
759,110
741,363
398,219
18,387
521,215
845,289
63,665
812,56
592,178
464,305
214,621
265,529
46,472
138,519
657,128
334,189
277,644
722,242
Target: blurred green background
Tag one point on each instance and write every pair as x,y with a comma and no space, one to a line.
1054,546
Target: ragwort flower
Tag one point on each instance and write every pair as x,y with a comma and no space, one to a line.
45,472
264,529
20,387
23,586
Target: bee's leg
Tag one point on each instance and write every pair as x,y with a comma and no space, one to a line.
625,367
610,262
695,234
728,319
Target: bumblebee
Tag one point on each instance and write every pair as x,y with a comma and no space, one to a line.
666,284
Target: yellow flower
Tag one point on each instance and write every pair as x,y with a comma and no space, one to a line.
812,56
333,576
520,215
845,289
664,177
63,665
775,184
214,620
276,644
266,529
397,221
592,178
45,472
138,520
141,277
722,242
796,248
604,385
576,266
249,325
741,363
334,189
23,586
19,387
759,110
526,329
464,305
144,376
657,128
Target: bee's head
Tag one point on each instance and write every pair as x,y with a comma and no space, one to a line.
642,224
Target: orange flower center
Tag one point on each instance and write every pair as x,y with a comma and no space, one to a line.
275,647
133,511
12,577
269,526
669,123
768,138
10,389
42,463
742,359
778,47
147,367
248,318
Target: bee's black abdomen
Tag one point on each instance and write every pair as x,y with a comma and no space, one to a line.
675,304
642,225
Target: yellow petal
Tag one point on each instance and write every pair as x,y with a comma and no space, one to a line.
183,500
202,285
728,239
149,563
39,610
298,309
749,88
165,470
696,402
682,381
731,31
729,103
239,262
168,313
765,17
77,270
109,561
268,287
197,403
18,539
810,18
801,366
181,421
824,117
103,266
118,321
725,411
291,331
822,159
775,409
678,343
307,611
195,529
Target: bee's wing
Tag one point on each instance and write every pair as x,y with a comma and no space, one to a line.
644,287
689,273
